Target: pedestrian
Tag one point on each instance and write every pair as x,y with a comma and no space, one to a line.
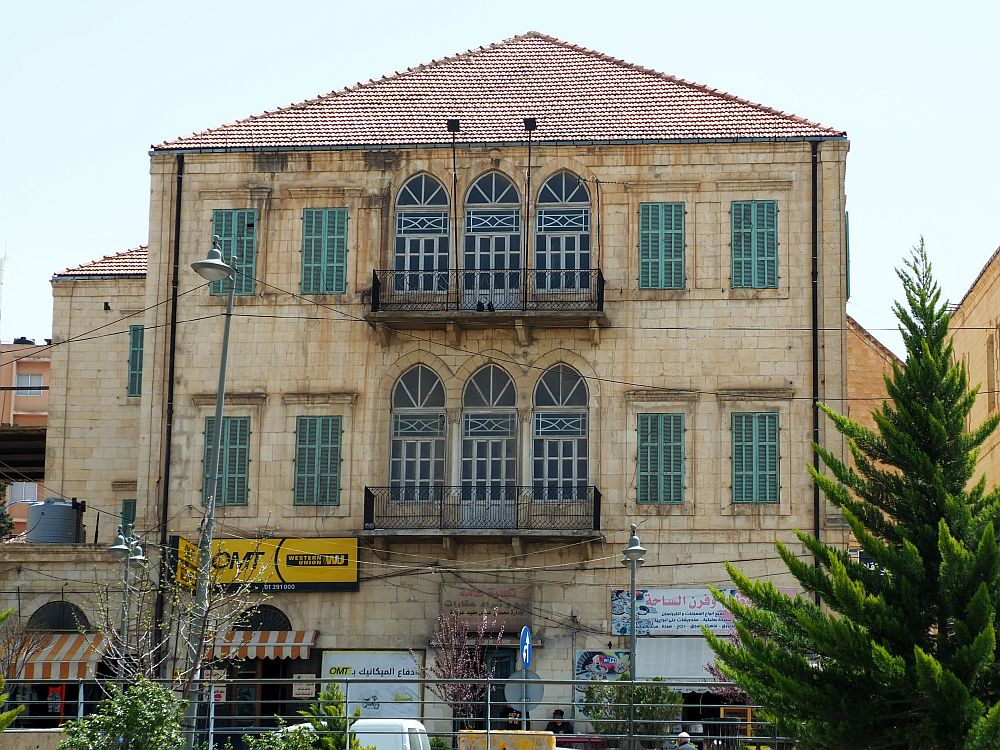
684,742
557,725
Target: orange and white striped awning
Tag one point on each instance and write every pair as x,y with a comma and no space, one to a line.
65,656
264,644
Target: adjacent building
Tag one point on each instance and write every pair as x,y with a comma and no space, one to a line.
489,312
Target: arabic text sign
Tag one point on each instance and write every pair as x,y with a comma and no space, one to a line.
384,685
671,611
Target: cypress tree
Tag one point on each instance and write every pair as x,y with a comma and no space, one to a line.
901,653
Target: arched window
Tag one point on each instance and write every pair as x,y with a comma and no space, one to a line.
422,226
416,461
562,234
489,450
263,617
491,262
559,435
58,617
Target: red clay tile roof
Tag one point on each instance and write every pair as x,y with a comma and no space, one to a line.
575,94
131,262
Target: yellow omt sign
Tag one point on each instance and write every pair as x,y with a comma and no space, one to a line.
276,564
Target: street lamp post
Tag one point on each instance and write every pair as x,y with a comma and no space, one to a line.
632,559
213,268
128,549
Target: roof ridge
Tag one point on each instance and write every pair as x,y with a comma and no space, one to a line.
112,256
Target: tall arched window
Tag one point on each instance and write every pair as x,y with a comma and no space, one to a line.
489,450
417,457
422,226
559,435
492,249
562,234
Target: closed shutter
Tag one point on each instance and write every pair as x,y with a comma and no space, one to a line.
234,461
661,458
766,242
755,244
135,336
237,232
755,458
742,244
324,250
661,246
317,460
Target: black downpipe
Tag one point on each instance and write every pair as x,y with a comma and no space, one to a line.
169,429
815,337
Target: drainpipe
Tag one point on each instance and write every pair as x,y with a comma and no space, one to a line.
169,418
814,148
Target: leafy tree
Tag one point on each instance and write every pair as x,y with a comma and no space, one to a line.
7,717
298,738
608,705
901,654
329,719
146,716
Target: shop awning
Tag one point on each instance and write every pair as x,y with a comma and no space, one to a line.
64,656
680,660
264,644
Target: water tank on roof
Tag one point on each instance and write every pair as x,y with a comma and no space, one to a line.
53,521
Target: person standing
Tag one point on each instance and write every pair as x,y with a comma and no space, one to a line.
684,742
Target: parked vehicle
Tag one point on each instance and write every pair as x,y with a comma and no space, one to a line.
382,734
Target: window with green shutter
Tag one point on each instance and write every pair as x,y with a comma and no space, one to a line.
755,244
234,461
317,460
135,335
661,246
237,233
661,458
128,514
324,251
755,457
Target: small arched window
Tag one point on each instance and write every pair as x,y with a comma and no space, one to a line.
491,258
559,435
59,617
421,250
417,454
562,234
263,617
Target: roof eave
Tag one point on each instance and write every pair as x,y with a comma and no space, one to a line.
96,276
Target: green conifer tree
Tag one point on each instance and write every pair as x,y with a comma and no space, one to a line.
901,654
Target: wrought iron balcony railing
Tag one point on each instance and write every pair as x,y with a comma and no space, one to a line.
484,507
497,291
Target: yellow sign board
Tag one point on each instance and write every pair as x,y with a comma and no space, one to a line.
276,564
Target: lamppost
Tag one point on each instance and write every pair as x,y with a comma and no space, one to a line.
632,559
128,549
213,268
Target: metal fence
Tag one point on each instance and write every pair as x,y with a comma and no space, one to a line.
611,718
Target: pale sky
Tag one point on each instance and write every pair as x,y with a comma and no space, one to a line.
88,87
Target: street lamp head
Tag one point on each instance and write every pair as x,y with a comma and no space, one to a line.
120,548
213,268
137,556
634,551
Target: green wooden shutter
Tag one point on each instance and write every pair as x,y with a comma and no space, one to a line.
234,460
766,244
237,232
755,458
324,250
741,217
661,246
312,250
135,338
317,460
336,260
661,458
128,514
650,246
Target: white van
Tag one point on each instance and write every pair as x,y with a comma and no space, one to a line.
391,734
382,734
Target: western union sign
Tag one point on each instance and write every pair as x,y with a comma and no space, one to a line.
275,564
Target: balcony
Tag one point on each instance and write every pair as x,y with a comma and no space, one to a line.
483,510
471,298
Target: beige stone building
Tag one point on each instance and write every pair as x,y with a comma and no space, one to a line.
489,312
975,329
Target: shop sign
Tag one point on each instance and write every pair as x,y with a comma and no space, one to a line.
671,611
510,601
274,564
382,683
303,686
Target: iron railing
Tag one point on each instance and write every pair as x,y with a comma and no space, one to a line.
495,291
247,707
483,507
